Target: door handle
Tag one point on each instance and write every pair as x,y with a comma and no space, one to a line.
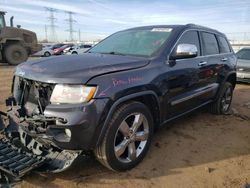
202,63
224,59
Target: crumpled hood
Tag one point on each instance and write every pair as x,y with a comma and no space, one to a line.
77,69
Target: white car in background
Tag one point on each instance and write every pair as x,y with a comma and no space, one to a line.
45,52
79,49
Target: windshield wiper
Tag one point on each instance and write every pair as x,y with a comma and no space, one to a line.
113,53
116,53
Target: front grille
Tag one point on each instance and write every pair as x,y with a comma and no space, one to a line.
33,95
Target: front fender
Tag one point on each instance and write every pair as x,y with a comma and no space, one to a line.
123,83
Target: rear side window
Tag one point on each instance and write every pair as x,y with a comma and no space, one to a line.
223,45
244,54
190,37
209,44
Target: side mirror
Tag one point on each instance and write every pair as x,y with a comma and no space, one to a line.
185,51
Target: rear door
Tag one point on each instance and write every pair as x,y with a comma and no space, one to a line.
210,65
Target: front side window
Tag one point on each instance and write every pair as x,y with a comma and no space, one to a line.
190,37
243,54
223,45
142,42
209,44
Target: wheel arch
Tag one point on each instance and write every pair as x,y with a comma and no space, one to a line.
148,98
231,77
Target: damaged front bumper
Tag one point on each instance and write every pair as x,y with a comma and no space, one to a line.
59,135
20,153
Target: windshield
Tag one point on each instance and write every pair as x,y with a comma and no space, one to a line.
1,21
133,42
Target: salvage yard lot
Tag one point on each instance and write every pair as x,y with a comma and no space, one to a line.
199,150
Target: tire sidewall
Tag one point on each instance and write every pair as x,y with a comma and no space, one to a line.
47,54
111,158
15,47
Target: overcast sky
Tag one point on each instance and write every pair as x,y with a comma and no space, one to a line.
99,18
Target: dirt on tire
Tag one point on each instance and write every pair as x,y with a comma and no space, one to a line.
199,150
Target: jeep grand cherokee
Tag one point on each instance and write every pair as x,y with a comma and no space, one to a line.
112,98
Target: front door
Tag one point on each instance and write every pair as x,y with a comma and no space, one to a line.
183,80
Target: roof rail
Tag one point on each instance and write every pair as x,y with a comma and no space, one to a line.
190,24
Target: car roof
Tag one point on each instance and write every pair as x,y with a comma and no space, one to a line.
181,27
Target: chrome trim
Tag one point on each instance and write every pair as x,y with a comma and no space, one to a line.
186,49
224,59
197,93
202,63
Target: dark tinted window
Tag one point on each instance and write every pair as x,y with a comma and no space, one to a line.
209,44
223,45
244,54
190,37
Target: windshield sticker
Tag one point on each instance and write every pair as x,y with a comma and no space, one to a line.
161,30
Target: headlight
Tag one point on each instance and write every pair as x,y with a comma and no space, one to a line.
72,94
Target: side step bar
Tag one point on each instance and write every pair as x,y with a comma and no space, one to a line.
15,161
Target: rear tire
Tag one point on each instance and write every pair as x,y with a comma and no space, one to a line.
74,53
127,138
15,54
222,105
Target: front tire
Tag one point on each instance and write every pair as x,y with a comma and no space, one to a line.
127,138
222,105
15,54
47,54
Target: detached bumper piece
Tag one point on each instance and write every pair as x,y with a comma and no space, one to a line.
15,161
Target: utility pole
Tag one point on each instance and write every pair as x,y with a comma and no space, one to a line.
52,25
70,21
79,35
46,33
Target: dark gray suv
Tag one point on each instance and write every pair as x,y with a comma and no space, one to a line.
110,100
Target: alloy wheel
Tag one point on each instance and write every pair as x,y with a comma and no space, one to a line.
226,99
131,137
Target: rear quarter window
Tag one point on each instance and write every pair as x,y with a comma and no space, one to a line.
209,44
223,45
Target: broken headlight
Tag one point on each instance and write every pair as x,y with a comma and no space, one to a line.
72,94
